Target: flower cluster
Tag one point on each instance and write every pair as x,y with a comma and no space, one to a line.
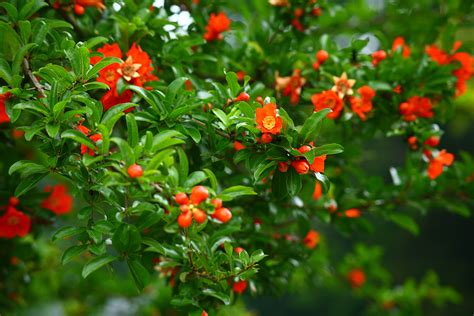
415,107
189,207
136,69
15,223
290,86
95,138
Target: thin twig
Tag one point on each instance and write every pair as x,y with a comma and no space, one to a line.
36,83
204,125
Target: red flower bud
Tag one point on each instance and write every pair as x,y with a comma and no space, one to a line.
301,166
185,219
135,171
199,194
181,198
432,141
322,56
79,9
283,166
243,96
217,203
199,216
267,138
222,214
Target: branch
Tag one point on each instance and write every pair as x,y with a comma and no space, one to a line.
204,125
36,83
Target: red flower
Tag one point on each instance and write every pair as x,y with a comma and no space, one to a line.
14,223
328,100
311,239
268,120
463,73
378,56
291,86
360,107
437,55
59,201
217,24
3,113
136,69
416,107
399,42
436,164
366,93
318,164
356,278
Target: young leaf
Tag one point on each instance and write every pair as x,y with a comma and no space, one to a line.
96,264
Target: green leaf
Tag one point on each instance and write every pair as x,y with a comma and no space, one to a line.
235,191
96,264
212,178
11,10
222,116
112,112
19,56
311,126
125,150
233,83
279,188
29,183
183,165
158,159
132,129
77,136
405,222
67,232
25,164
72,252
33,107
25,30
173,89
105,139
257,255
107,61
30,8
126,238
80,60
139,273
293,182
52,130
219,295
195,178
5,71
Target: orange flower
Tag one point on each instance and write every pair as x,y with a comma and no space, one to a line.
14,223
318,191
464,72
217,24
136,69
99,4
318,164
59,201
399,42
239,287
360,107
356,278
366,93
416,107
268,121
343,85
436,164
291,85
311,239
3,113
328,100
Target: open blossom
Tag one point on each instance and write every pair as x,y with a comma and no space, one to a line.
328,100
416,107
290,86
318,164
436,164
59,201
343,85
268,120
216,26
3,112
399,43
363,105
136,69
14,223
